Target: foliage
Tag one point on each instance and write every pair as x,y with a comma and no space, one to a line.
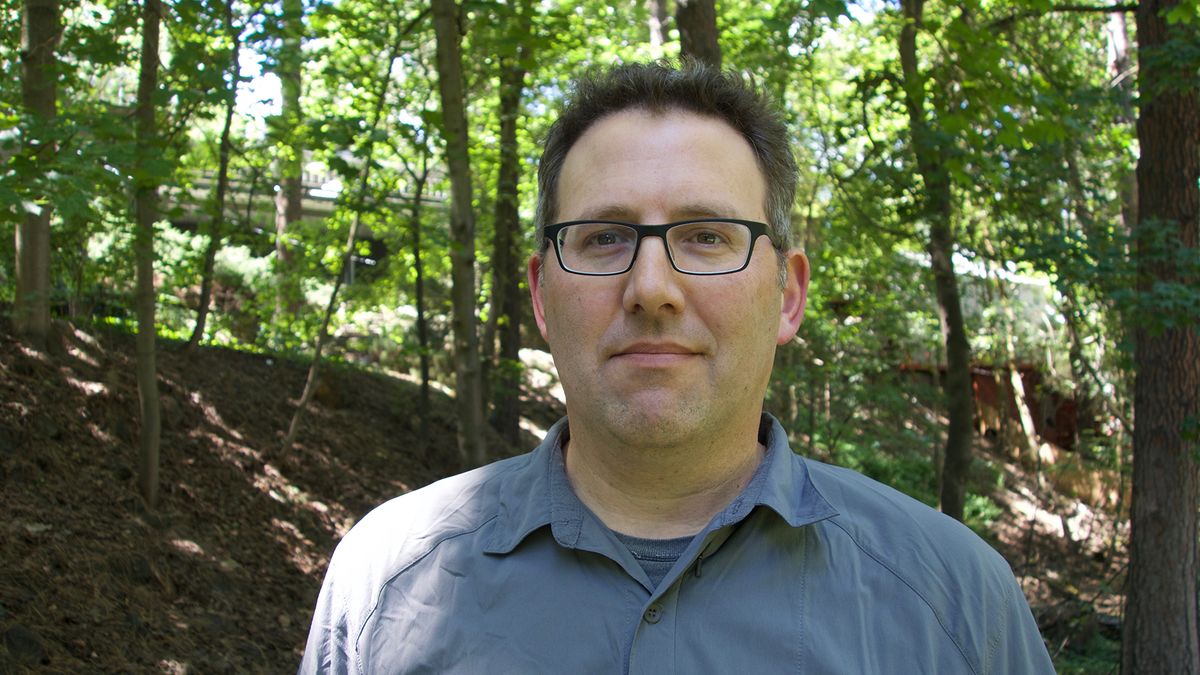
1036,127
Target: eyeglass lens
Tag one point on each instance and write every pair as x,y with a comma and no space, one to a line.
707,247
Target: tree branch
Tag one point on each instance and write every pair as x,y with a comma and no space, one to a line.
1009,20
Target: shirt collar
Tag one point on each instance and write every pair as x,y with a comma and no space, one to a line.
539,494
787,487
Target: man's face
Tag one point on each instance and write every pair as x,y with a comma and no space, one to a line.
654,357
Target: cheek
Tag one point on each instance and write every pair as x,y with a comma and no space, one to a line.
572,317
750,324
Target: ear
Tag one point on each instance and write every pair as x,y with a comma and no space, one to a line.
795,295
533,273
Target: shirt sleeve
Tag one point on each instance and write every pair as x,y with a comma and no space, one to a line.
330,647
1017,646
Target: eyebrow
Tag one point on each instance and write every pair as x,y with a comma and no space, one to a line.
686,212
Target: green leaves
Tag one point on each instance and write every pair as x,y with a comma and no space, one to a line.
1184,13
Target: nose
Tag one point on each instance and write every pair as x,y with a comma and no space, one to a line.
652,284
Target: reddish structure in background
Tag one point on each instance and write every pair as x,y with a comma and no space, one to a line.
1054,416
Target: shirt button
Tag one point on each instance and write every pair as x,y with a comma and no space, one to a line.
653,613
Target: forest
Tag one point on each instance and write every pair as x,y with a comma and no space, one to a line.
314,216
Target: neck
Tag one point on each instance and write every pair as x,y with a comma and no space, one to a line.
662,492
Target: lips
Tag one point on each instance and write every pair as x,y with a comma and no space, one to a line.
654,354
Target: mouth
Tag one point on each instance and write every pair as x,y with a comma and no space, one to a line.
654,353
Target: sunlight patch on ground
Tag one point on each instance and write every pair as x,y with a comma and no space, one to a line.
33,354
86,338
212,416
100,434
189,547
1083,526
540,371
86,386
172,667
299,547
272,484
20,409
224,447
434,385
80,354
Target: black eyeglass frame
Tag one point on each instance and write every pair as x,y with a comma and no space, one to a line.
757,229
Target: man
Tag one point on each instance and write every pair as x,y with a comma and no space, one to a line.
665,525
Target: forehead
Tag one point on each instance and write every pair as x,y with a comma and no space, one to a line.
657,166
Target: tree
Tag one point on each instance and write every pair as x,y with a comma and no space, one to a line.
40,31
468,390
936,209
216,222
145,199
359,204
1160,634
697,24
419,177
505,387
657,22
289,200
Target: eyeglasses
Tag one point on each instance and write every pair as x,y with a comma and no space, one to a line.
608,247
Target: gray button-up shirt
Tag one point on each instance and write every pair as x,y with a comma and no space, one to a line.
812,569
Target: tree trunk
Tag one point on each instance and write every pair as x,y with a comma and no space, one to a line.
145,200
360,195
658,22
487,335
216,222
505,387
40,29
937,209
414,225
1121,70
289,201
1160,612
468,395
1027,438
697,24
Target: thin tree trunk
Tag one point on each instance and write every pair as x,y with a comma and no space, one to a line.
1122,71
216,222
1027,436
40,30
505,386
658,22
1160,633
697,24
414,221
145,214
289,201
310,383
468,390
487,334
937,210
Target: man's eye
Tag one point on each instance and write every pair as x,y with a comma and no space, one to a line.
707,238
606,238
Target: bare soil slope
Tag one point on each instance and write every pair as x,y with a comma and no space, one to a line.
223,575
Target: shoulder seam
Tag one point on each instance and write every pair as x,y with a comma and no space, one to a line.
937,615
998,638
402,570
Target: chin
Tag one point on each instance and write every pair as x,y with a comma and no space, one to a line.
659,426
